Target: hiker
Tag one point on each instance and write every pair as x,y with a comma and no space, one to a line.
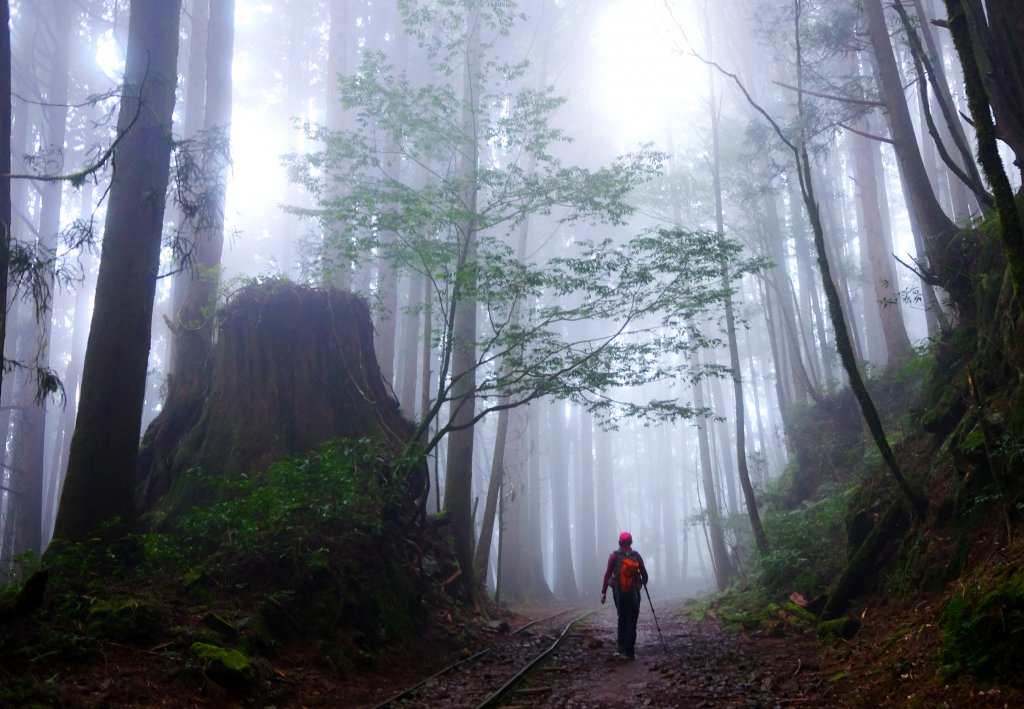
627,575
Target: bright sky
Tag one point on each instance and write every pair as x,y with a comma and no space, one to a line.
644,79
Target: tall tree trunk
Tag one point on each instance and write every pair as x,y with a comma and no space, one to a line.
666,495
719,554
945,261
586,525
387,276
5,168
604,484
494,490
522,568
720,430
845,347
537,521
101,469
1004,95
991,34
558,477
813,335
835,245
458,489
408,351
951,128
192,123
338,269
730,320
193,329
73,376
28,450
877,243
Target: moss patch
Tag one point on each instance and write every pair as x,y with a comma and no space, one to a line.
983,628
130,621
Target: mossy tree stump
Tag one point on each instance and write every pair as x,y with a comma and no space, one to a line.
294,366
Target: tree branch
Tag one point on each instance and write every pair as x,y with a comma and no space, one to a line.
832,97
869,136
78,177
924,69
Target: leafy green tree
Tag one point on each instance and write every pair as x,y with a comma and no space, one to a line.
507,331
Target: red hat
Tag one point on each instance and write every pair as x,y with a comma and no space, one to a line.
625,538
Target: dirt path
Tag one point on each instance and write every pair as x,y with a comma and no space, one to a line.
891,662
692,664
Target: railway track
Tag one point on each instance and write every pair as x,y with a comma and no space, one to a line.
489,677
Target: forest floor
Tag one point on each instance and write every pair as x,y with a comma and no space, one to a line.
891,662
693,662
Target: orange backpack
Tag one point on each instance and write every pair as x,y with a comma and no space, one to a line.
628,571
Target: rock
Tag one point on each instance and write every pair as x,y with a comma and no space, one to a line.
225,666
219,624
843,627
498,626
129,621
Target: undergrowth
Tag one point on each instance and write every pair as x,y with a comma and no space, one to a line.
343,491
308,552
808,547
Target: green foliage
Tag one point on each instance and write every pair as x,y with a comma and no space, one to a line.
808,546
226,665
129,621
983,628
227,658
23,565
837,628
743,610
345,488
395,187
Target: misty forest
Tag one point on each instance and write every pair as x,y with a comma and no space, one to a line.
342,339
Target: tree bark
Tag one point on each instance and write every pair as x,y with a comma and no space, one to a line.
945,261
995,28
28,449
459,471
982,95
951,127
668,493
194,326
494,490
558,476
587,559
101,469
604,484
5,168
877,244
521,559
845,347
192,123
720,560
730,320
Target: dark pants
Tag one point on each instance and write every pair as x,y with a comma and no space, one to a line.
628,606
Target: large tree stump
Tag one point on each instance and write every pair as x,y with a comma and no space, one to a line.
294,366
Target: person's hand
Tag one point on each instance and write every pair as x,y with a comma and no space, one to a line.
602,597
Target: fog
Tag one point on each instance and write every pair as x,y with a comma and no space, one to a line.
693,100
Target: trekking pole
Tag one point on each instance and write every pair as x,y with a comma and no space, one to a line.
655,616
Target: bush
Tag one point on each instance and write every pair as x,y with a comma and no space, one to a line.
344,489
807,548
